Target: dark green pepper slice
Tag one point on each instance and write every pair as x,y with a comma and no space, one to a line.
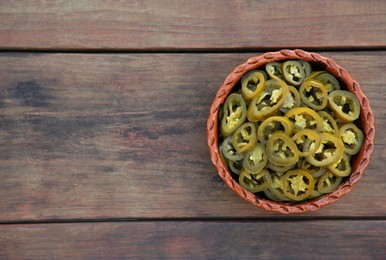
313,94
245,137
293,72
229,151
307,67
352,138
316,171
255,182
329,81
344,104
274,70
298,184
234,114
235,166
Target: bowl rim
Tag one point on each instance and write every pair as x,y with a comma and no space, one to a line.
366,120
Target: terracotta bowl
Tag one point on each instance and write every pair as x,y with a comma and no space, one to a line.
358,162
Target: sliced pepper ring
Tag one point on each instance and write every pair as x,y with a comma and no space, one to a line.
293,72
314,94
245,137
252,84
329,81
281,149
274,70
306,134
256,159
304,117
306,66
329,124
255,182
298,184
234,114
329,152
344,104
328,182
235,166
352,138
291,101
229,151
342,168
268,101
316,171
273,124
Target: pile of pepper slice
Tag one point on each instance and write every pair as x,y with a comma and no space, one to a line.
289,132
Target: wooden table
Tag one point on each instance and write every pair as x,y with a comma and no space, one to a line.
103,109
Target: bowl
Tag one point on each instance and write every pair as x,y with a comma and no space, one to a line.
365,122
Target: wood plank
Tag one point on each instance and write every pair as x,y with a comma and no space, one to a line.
124,136
199,240
153,24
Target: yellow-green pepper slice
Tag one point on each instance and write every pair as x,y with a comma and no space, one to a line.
304,117
256,159
245,137
293,72
316,171
255,182
298,184
314,94
352,138
329,81
328,182
274,70
252,84
281,149
329,152
329,124
291,101
273,124
234,114
342,168
229,151
345,105
306,134
268,101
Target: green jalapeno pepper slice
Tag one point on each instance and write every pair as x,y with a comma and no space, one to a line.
329,81
268,101
328,182
255,182
245,137
306,134
281,149
313,94
306,66
298,184
293,72
329,152
345,105
276,188
279,169
235,166
273,124
256,159
316,171
252,84
352,138
274,70
304,117
329,124
342,168
229,151
291,101
234,114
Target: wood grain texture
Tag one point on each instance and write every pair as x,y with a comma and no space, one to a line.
196,240
153,24
87,136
